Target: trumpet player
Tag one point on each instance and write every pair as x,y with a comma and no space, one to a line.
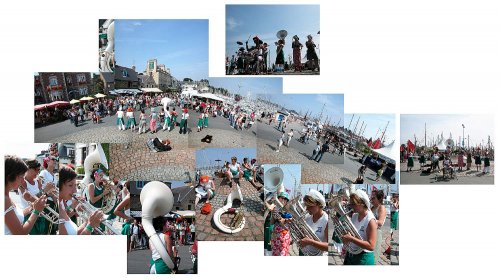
317,219
30,190
15,222
365,223
67,188
49,165
280,238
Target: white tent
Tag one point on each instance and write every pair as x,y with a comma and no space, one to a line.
210,96
151,90
165,101
389,153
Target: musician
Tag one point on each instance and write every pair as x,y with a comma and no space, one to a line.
15,222
280,238
184,122
317,219
157,265
67,187
255,51
366,224
379,211
208,188
50,164
30,190
234,170
97,191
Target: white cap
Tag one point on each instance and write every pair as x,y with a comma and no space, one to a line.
362,194
314,194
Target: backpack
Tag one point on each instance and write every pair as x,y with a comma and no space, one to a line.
206,208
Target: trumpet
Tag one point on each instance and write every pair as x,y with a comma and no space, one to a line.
85,209
52,216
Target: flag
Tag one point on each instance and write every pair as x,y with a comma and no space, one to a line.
369,143
377,144
411,146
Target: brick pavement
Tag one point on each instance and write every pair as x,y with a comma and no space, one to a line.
310,175
222,138
135,161
462,177
252,209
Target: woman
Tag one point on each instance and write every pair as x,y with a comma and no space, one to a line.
297,47
311,53
477,161
184,122
168,120
280,56
380,213
234,170
174,119
205,119
486,159
421,160
15,223
394,213
67,188
317,220
279,239
365,223
122,210
142,122
130,119
157,265
153,119
200,122
119,119
208,188
49,178
30,190
469,160
410,164
460,160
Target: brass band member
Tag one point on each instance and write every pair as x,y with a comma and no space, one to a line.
317,219
365,223
15,169
67,187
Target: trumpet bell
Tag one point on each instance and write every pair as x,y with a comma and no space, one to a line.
273,179
281,34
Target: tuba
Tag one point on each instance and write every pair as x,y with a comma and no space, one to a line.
98,157
107,55
85,209
156,200
342,223
281,34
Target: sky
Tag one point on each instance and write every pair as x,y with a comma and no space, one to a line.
264,21
374,123
27,151
292,174
478,127
334,104
207,157
254,86
325,188
182,45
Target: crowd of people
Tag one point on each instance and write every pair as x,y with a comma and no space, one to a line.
447,161
255,59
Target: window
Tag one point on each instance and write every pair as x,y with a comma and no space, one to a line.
81,78
71,152
53,81
68,80
124,73
83,90
151,65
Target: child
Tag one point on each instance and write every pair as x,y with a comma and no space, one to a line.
280,142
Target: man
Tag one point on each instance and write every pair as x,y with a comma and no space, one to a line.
135,235
192,229
324,148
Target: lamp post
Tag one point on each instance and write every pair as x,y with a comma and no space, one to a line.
463,136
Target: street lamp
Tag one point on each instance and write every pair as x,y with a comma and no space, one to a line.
463,136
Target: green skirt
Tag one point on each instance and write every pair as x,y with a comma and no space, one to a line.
205,122
394,220
167,121
247,174
160,266
364,258
40,226
200,123
268,229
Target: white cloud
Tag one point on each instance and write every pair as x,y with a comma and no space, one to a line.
136,23
232,23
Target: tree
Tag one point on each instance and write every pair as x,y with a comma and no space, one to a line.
98,85
188,80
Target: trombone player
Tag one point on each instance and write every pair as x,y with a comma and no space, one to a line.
366,225
30,190
98,190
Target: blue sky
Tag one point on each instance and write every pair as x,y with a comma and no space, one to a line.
182,45
334,104
478,127
207,157
374,123
292,174
265,21
325,188
253,86
29,151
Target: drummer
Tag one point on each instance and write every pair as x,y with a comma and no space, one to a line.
206,189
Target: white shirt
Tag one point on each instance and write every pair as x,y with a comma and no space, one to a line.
130,114
192,228
32,189
234,168
19,215
71,227
185,116
119,114
48,178
154,253
361,227
135,229
319,229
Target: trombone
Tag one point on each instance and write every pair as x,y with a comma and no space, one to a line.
85,209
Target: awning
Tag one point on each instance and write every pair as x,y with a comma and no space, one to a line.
86,98
208,96
74,101
151,90
133,91
100,95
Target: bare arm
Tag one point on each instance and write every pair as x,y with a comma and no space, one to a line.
122,206
12,222
93,198
371,234
381,216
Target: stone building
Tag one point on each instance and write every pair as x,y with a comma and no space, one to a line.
59,86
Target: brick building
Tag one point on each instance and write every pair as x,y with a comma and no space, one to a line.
59,86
